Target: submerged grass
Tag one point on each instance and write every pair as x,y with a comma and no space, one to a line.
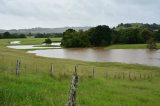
130,46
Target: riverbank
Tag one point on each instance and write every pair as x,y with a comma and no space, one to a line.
38,41
27,41
36,86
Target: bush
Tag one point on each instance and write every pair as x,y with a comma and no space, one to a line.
48,41
151,44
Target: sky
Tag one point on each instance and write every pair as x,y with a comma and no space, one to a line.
19,14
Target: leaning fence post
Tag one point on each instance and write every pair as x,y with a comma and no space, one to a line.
72,95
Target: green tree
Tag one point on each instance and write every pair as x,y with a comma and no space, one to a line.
7,35
48,41
68,31
151,44
130,36
1,36
147,34
100,36
72,38
150,39
67,37
157,34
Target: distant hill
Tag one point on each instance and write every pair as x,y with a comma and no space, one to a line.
138,25
44,30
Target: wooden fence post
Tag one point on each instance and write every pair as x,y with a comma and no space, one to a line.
148,76
74,83
129,75
18,65
135,76
93,72
115,76
144,76
106,75
140,76
119,75
151,75
36,68
51,69
123,75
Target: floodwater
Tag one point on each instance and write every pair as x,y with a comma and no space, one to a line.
131,56
54,46
15,42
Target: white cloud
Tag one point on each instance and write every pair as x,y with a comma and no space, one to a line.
59,13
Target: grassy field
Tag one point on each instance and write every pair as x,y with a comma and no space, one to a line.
36,86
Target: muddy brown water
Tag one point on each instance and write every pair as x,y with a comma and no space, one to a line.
131,56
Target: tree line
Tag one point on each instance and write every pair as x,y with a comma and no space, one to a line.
97,36
102,35
7,35
153,26
48,35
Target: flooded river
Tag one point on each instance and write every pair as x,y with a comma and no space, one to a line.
135,56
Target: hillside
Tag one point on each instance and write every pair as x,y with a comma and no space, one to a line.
138,25
44,30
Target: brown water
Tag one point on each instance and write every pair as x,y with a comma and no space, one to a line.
135,56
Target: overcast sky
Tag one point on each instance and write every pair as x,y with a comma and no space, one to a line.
15,14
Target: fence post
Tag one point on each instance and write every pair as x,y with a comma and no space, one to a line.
135,76
144,77
36,68
151,75
18,65
140,76
148,76
115,76
119,75
93,72
74,83
106,75
51,69
123,75
130,76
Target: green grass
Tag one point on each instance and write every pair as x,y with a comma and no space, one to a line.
37,87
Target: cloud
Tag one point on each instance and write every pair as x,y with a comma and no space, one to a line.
59,13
